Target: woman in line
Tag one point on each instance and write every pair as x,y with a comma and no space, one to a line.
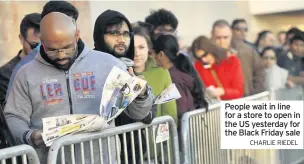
182,73
221,73
276,77
158,78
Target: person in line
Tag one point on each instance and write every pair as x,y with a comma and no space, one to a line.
157,77
29,38
44,87
253,70
276,77
221,72
265,38
182,73
113,34
240,30
163,22
51,6
293,60
282,38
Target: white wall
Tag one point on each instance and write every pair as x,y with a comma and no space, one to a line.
195,18
274,6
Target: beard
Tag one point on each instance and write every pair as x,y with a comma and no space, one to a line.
65,66
118,54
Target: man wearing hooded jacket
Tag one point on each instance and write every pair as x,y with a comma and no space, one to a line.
65,78
113,34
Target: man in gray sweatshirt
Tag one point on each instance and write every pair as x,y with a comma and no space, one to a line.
66,77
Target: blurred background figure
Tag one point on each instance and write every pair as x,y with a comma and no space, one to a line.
253,72
293,60
276,77
221,73
240,29
265,38
282,38
29,38
163,21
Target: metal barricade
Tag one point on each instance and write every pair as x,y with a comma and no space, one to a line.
102,142
201,139
296,93
26,153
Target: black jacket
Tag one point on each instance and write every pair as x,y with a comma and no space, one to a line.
5,74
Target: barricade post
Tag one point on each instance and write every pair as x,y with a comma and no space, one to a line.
104,142
27,153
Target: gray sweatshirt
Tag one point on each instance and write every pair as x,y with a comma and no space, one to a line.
40,90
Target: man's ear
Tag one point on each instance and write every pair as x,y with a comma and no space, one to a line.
21,39
77,34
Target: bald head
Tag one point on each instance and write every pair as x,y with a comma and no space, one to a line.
58,30
59,36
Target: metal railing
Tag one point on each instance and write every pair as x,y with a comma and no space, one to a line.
19,154
201,139
100,147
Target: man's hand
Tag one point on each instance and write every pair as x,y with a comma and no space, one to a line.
131,72
36,138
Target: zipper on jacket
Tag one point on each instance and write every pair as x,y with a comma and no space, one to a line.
69,91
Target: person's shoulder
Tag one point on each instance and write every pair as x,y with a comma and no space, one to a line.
233,60
105,58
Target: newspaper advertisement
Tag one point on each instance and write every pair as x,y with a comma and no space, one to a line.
169,94
119,91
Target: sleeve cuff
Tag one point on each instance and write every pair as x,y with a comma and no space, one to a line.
27,137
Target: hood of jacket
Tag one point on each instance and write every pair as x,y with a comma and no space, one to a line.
100,28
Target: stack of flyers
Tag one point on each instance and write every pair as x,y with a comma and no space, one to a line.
56,127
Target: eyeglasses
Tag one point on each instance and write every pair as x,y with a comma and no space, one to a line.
68,51
199,57
241,29
32,45
125,34
166,31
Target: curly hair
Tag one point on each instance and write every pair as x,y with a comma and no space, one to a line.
162,17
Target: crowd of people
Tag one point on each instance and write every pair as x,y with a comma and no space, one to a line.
40,80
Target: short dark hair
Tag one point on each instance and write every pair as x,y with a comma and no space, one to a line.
162,17
262,35
237,21
30,21
297,36
268,48
293,30
62,7
220,23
